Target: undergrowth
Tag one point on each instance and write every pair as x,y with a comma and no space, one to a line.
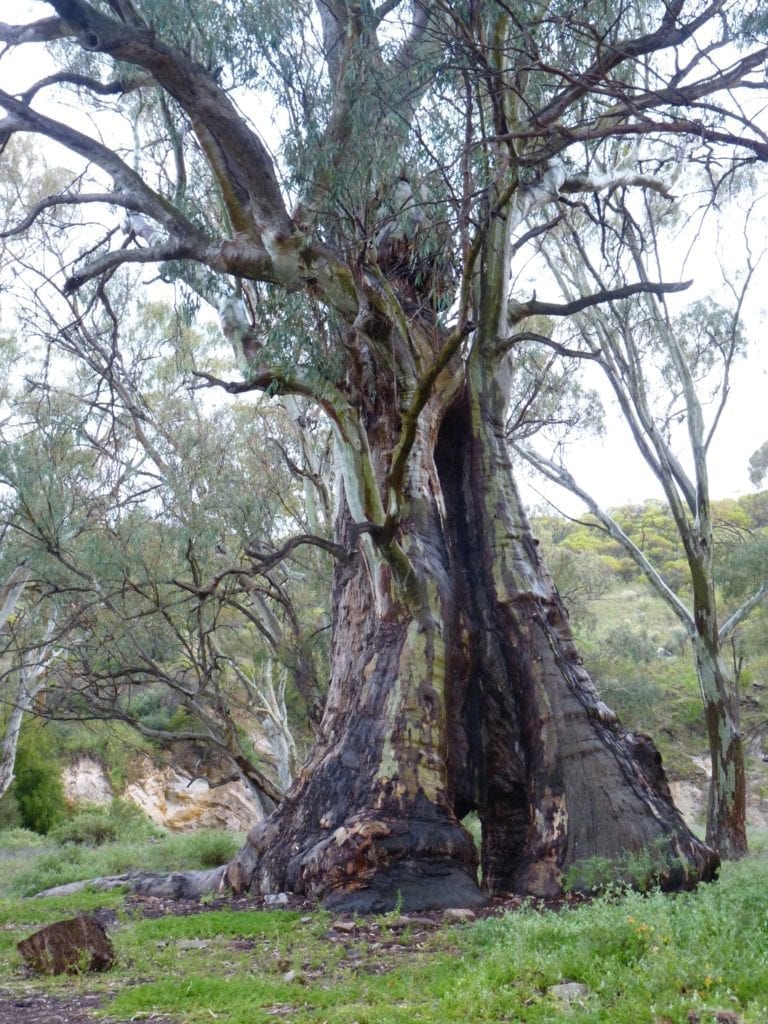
641,959
51,864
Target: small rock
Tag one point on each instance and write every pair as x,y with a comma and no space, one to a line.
276,899
412,922
343,926
297,977
568,991
458,914
74,946
727,1017
191,944
306,920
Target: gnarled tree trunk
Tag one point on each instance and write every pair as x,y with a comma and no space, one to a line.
458,688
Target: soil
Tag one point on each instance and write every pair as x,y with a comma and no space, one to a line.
39,1008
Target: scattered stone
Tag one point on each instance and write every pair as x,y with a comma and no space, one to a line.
297,977
74,946
306,920
343,926
727,1017
457,914
191,944
241,945
412,922
276,899
693,1017
568,991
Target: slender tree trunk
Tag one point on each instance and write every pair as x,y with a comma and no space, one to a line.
727,806
458,688
31,684
726,811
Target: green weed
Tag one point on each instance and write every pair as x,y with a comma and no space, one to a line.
643,958
635,869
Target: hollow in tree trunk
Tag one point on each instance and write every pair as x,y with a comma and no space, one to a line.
457,687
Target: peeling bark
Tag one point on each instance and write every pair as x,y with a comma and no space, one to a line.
472,697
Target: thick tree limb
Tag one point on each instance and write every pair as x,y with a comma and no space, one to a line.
238,158
86,82
137,192
542,339
265,561
43,31
742,612
671,32
520,310
119,257
69,199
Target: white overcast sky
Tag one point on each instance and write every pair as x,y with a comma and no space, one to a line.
609,467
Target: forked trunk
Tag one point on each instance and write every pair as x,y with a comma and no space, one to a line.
455,689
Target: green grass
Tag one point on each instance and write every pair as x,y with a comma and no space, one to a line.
649,958
50,864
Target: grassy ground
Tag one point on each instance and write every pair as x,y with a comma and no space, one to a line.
651,959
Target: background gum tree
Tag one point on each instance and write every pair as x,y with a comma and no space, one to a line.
144,583
670,375
367,268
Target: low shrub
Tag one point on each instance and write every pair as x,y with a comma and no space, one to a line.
642,870
93,826
211,848
19,839
10,815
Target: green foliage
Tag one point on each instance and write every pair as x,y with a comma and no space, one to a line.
93,826
744,567
20,839
38,788
74,862
211,848
740,544
10,815
640,870
631,642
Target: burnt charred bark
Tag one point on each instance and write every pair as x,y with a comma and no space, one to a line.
471,697
369,822
555,778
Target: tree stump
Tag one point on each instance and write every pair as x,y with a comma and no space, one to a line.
74,946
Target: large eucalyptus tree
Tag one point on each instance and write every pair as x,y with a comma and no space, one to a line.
367,266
